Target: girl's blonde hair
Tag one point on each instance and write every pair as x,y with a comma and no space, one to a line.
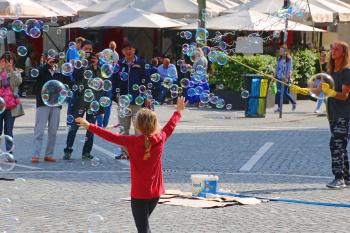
147,123
346,57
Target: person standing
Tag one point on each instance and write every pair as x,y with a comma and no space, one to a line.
10,80
46,115
134,67
166,70
283,73
73,52
323,62
338,108
80,107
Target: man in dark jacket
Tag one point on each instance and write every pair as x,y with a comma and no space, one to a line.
133,67
46,115
80,107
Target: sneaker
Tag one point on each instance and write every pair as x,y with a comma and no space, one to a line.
49,159
317,111
122,156
87,156
347,183
35,159
294,106
10,158
277,110
336,184
67,155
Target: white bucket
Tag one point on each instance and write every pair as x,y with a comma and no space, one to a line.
204,184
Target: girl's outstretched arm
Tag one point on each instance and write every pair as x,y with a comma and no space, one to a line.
122,140
170,126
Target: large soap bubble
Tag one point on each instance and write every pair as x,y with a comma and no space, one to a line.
54,93
2,105
314,84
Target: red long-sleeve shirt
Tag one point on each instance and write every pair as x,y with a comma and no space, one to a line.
146,175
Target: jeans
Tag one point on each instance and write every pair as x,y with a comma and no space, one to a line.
286,92
320,101
6,124
103,119
89,139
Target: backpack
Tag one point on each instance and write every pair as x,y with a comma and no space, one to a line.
6,93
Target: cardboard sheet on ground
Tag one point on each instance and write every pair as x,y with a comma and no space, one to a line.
178,198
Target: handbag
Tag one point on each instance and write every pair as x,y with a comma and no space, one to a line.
11,101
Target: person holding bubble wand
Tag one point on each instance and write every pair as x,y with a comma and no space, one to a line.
338,109
145,153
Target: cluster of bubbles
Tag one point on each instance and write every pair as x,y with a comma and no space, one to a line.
7,160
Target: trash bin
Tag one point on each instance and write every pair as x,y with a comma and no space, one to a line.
257,86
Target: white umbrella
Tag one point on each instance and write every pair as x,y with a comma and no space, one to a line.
338,8
251,20
25,9
224,3
127,17
170,8
65,8
319,14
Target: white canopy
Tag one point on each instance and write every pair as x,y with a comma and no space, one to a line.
319,14
250,20
25,9
337,7
224,3
64,7
127,17
169,8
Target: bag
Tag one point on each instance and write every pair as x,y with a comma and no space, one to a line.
10,100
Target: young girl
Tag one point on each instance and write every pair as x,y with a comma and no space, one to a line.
145,153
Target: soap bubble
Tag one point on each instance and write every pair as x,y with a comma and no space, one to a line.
81,87
7,162
188,35
204,97
22,51
67,69
95,223
88,74
59,31
220,86
17,25
108,56
245,94
75,87
201,35
78,64
106,70
53,93
212,56
116,68
96,84
46,28
89,96
62,55
315,87
2,105
184,68
214,99
200,70
142,89
222,58
6,144
139,100
191,92
167,82
124,76
135,87
95,162
69,94
149,85
107,85
94,106
72,45
155,77
54,19
228,106
124,101
34,73
70,119
3,33
220,103
105,101
51,53
172,71
206,50
147,66
34,32
185,82
120,129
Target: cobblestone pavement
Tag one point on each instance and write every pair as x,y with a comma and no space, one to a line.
70,196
